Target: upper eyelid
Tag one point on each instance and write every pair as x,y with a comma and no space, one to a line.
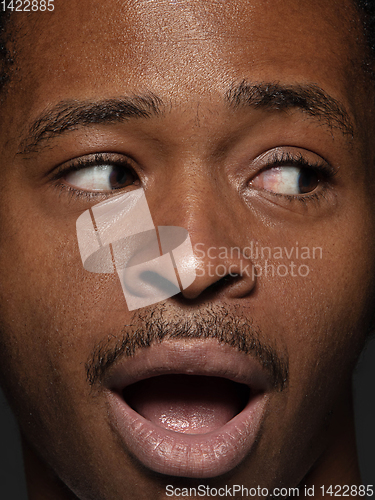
283,158
91,160
100,159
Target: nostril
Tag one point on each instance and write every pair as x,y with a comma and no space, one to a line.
220,285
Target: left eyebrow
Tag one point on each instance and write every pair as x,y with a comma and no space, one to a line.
309,98
71,114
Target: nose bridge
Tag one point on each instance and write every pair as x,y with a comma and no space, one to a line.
195,200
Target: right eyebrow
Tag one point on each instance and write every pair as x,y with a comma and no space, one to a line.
70,114
307,98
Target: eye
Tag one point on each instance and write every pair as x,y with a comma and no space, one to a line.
105,177
287,180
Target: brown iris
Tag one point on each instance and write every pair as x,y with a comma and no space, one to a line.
308,180
121,177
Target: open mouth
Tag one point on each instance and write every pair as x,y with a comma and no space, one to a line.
191,404
188,409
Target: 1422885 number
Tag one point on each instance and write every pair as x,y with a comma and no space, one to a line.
27,5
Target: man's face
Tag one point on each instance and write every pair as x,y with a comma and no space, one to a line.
255,137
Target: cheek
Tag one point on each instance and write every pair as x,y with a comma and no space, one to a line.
325,312
321,321
52,311
53,314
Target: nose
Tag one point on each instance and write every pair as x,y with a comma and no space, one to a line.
217,228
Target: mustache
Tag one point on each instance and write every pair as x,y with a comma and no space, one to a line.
164,322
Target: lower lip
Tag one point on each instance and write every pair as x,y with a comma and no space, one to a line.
188,455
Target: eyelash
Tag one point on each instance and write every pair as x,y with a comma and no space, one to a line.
80,163
282,159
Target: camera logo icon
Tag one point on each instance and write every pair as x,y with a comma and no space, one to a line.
118,235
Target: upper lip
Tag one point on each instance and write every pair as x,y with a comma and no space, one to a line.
191,357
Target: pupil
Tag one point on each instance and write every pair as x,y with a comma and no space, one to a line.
307,180
119,176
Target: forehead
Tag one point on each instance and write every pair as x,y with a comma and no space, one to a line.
183,49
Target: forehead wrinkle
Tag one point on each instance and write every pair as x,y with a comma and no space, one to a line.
310,99
71,114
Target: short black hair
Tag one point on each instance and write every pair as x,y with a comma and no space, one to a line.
367,13
5,57
366,10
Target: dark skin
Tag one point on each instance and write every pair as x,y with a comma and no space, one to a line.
200,163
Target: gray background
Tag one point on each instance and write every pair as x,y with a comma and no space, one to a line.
12,484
